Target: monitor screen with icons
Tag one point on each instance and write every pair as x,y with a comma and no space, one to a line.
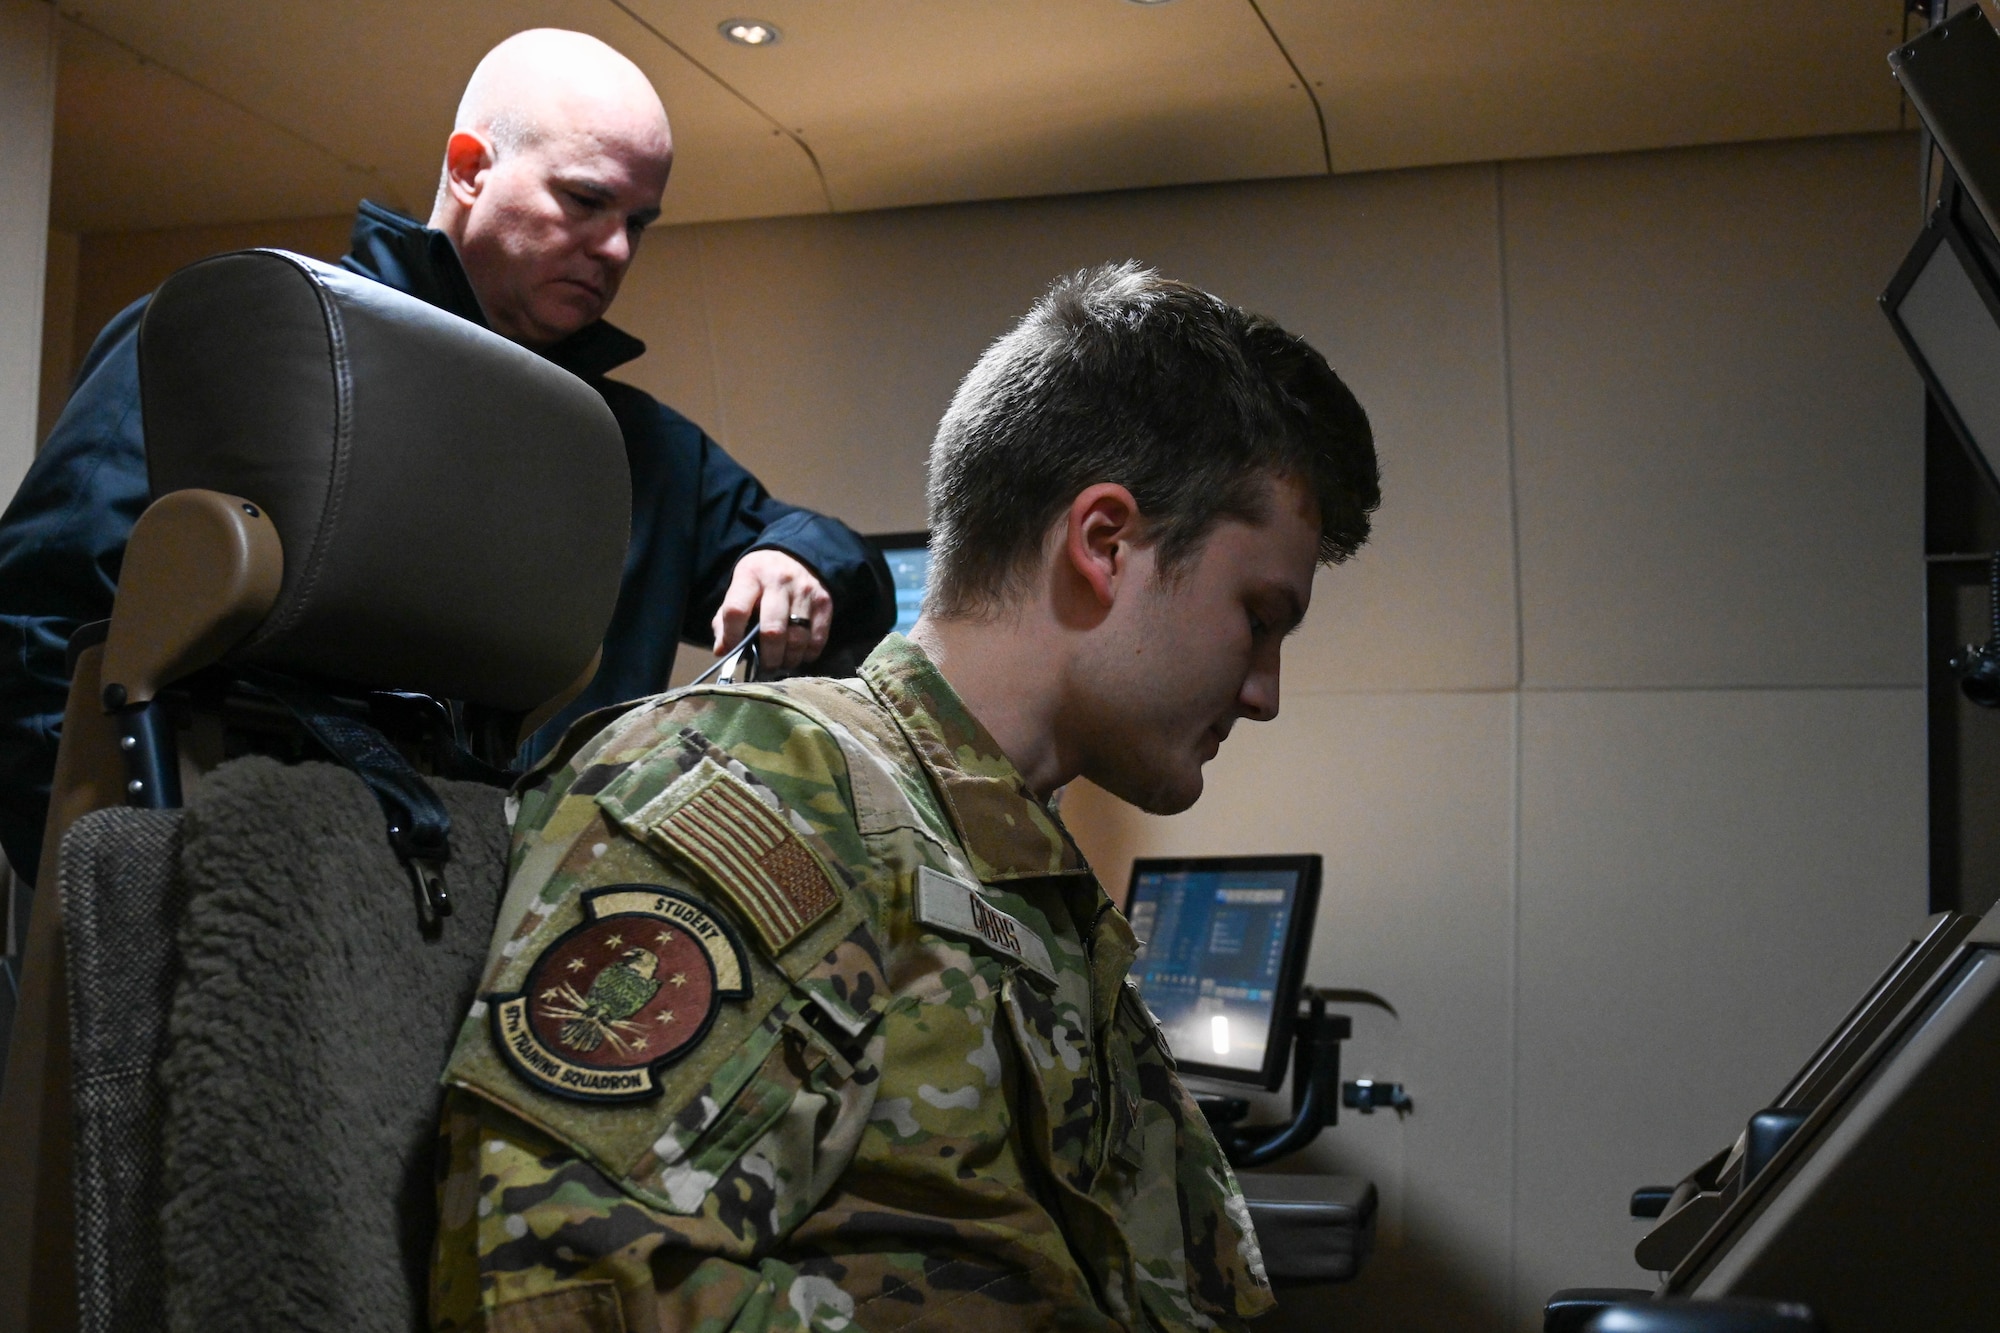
1222,952
909,558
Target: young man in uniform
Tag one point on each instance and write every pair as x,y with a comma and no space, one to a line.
803,1010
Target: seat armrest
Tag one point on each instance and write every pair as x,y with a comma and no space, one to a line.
1311,1228
1571,1309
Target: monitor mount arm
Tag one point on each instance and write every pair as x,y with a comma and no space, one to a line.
1978,667
1316,1038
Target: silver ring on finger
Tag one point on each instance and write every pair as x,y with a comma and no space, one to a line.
799,622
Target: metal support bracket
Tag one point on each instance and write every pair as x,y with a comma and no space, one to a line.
1366,1096
1315,1083
152,757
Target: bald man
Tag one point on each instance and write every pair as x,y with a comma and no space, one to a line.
554,168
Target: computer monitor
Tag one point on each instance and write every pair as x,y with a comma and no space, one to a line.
1951,74
1877,1210
1945,300
1222,953
1945,305
909,558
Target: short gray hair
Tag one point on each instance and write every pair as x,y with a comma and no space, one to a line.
1120,375
511,131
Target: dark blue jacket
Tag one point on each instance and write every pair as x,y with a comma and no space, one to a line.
695,512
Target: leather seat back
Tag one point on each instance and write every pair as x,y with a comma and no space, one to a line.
454,509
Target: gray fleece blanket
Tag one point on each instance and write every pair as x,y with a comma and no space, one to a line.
307,1030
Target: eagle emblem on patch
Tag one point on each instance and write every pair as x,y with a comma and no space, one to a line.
614,1000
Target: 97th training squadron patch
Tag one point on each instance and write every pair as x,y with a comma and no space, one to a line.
618,998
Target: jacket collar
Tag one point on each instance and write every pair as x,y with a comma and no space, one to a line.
405,254
1009,834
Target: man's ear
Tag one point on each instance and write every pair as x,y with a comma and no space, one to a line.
467,159
1102,527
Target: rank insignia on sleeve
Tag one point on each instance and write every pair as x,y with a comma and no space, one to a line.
615,1000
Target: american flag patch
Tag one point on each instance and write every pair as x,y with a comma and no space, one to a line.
750,853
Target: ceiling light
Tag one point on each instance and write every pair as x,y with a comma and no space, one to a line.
756,32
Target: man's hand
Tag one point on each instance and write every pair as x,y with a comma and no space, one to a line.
792,610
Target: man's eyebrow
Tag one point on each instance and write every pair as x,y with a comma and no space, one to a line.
604,194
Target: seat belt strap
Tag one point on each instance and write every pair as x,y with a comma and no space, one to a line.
419,825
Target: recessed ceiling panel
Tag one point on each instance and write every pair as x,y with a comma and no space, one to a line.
137,147
376,83
264,108
913,101
1472,80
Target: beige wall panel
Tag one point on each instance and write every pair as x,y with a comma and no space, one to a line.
912,102
375,83
115,269
841,340
663,302
1473,81
27,113
59,353
1708,880
1409,799
1719,441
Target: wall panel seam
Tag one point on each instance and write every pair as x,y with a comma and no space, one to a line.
1507,407
798,139
1305,85
1514,1013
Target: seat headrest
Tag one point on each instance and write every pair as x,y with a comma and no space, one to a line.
454,509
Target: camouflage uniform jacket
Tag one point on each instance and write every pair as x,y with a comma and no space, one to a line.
913,1087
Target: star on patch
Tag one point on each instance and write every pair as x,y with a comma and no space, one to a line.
614,941
679,978
576,965
664,937
666,1017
